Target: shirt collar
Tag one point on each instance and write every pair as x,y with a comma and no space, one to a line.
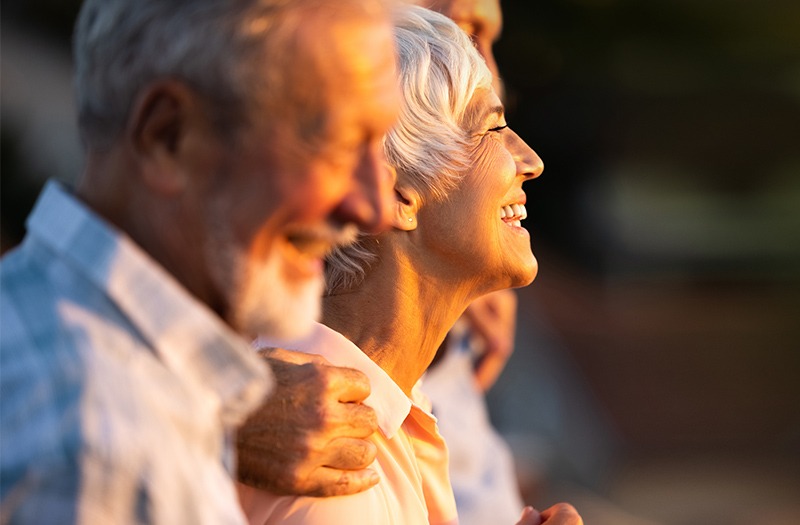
189,338
390,403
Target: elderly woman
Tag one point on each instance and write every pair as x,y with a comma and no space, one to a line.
392,297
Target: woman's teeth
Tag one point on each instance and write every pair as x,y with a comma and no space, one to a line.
513,214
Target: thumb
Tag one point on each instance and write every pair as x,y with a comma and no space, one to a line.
530,516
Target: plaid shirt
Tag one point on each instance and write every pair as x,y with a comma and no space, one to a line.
118,390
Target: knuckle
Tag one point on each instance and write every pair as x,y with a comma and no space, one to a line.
322,486
343,485
568,508
371,420
568,511
312,372
364,453
325,417
293,481
305,479
353,377
314,448
357,453
322,376
350,454
362,417
368,453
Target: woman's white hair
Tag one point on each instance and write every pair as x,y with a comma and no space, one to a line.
440,71
226,50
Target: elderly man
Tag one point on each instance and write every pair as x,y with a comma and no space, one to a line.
229,146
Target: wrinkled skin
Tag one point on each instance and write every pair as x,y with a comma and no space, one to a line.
492,317
308,437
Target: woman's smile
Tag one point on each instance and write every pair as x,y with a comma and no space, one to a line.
513,214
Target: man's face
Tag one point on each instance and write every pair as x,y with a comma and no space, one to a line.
481,19
292,189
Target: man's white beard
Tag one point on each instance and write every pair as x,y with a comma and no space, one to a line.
263,303
269,305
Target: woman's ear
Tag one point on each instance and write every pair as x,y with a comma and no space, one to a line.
407,203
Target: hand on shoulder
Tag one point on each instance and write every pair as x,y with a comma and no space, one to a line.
310,436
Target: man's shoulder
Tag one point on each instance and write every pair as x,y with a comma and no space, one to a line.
32,272
59,337
45,306
18,267
29,301
70,383
41,375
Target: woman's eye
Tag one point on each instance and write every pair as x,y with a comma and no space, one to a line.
499,128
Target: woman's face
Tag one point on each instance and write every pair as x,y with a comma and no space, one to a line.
476,232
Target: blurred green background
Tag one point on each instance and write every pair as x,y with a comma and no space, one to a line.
657,372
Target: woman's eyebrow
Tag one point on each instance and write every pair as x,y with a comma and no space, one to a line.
496,110
476,119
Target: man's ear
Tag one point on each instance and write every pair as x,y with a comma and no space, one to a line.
407,203
159,123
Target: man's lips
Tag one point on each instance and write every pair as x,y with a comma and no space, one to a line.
316,242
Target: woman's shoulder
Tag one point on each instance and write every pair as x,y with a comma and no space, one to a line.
375,506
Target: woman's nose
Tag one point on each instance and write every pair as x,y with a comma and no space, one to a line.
528,162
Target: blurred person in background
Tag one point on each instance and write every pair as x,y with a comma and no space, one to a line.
393,296
229,146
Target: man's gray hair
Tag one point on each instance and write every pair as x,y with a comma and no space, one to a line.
223,49
440,71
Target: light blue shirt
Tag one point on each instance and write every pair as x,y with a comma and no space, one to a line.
118,389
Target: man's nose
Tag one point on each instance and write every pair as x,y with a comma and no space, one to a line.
369,202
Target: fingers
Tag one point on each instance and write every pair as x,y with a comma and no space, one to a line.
558,514
289,356
305,464
321,482
529,517
349,454
326,481
352,420
488,369
341,384
493,318
561,514
347,385
318,402
309,437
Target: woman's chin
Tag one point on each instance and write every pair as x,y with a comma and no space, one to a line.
526,276
519,278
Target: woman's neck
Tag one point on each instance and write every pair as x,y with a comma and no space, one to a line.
398,317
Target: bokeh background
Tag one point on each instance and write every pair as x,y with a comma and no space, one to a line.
657,372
